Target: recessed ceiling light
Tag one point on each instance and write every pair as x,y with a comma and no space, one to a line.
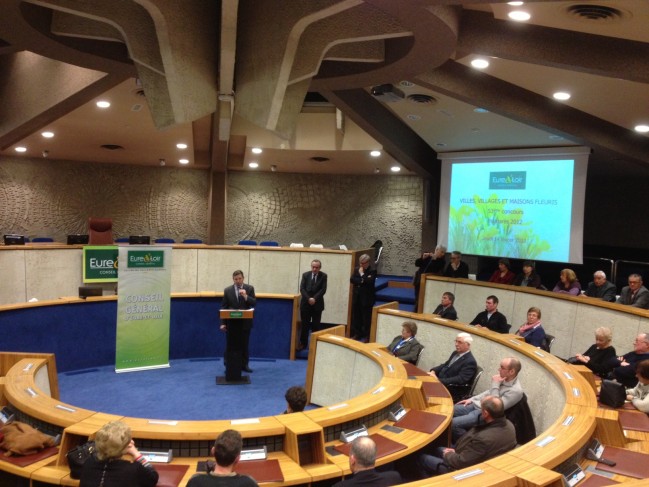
375,153
257,150
103,104
180,145
480,110
395,169
561,95
515,4
253,165
21,149
47,135
642,128
480,63
519,15
184,161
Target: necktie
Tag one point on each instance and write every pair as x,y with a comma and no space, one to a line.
313,277
239,294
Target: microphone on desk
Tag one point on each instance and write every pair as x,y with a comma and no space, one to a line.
591,455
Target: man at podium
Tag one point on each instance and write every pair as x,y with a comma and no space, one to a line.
237,296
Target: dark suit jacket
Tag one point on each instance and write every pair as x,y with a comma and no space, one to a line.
461,371
309,290
448,313
535,280
605,292
364,291
409,351
371,477
497,322
461,271
231,301
641,298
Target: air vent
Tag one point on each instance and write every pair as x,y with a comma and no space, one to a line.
112,147
319,159
424,99
595,13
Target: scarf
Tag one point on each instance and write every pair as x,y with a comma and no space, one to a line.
528,326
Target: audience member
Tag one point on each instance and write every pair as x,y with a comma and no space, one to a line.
504,384
313,287
624,366
491,318
108,468
459,370
295,399
639,395
568,283
494,436
529,277
445,309
456,268
600,288
598,357
635,294
362,458
503,275
226,451
363,297
406,346
429,263
532,330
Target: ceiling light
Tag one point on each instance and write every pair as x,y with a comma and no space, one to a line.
103,104
395,169
253,165
256,150
642,128
519,15
480,63
515,4
184,161
480,110
375,153
376,170
21,149
561,95
180,145
47,135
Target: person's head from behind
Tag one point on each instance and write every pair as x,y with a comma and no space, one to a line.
112,439
362,455
642,372
463,342
492,408
295,399
227,448
408,329
603,337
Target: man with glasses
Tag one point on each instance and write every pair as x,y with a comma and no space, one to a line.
624,366
459,370
635,294
504,385
456,268
312,288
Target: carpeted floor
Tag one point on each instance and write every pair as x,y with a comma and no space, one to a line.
184,391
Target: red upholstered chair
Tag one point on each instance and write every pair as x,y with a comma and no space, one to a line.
100,231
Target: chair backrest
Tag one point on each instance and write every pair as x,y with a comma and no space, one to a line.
247,242
100,231
192,241
474,382
42,239
419,355
316,246
164,240
269,243
547,343
298,245
121,240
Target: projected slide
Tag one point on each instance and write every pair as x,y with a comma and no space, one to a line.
519,209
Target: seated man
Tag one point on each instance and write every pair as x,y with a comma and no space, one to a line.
362,458
491,318
600,288
624,367
635,294
295,399
456,268
459,370
505,385
446,309
495,436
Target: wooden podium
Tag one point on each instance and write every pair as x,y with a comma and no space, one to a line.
233,359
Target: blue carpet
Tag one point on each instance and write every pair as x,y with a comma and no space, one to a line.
184,391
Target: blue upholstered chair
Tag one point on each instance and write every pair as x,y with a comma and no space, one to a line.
121,240
164,240
269,243
192,241
42,239
247,242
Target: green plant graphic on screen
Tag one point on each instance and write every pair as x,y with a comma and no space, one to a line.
491,227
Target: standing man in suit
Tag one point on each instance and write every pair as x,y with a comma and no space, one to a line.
238,296
312,288
491,318
460,368
363,298
635,294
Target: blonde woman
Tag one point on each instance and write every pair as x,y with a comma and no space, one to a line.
599,356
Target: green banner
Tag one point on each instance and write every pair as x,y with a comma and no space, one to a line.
100,263
143,308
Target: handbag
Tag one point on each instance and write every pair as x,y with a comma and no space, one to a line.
78,456
612,393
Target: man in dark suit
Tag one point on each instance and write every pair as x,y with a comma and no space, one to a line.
362,457
456,268
238,296
445,308
363,297
635,294
459,370
600,288
312,288
491,318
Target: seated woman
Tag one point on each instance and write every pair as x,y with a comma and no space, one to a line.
568,283
529,277
108,469
639,395
596,358
503,275
406,346
532,331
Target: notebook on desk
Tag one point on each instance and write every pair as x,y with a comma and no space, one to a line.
435,389
630,463
634,420
421,421
413,370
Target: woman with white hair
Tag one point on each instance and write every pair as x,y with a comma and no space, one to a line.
599,355
108,469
